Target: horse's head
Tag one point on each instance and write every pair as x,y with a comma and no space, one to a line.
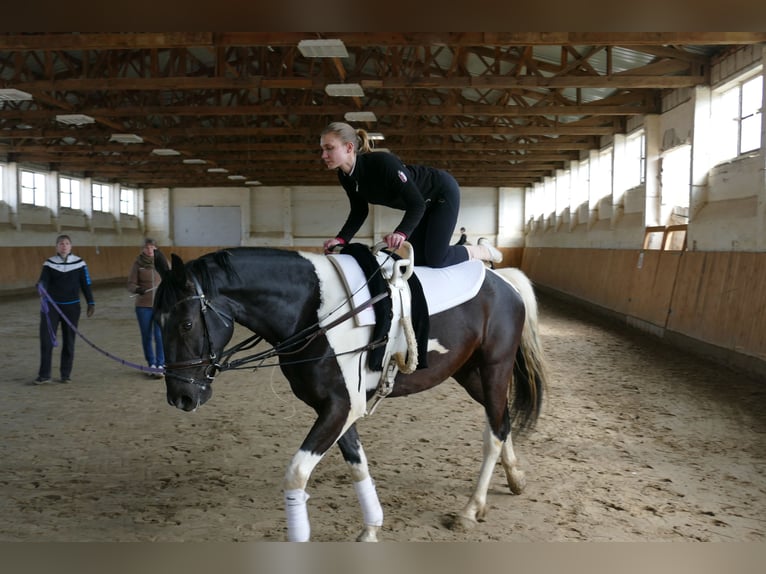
195,330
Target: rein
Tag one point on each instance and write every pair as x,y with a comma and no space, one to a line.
292,345
46,300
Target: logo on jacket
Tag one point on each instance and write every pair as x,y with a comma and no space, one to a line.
402,176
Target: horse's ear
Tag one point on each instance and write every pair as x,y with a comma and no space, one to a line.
161,263
178,270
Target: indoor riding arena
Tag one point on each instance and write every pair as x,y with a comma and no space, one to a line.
623,176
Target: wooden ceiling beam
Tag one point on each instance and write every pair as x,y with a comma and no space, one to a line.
168,40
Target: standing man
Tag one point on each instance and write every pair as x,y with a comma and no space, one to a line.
63,276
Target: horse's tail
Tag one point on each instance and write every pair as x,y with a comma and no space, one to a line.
529,369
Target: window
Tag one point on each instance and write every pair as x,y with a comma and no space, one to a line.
750,115
32,188
635,156
676,181
128,201
69,192
737,119
580,188
602,186
100,194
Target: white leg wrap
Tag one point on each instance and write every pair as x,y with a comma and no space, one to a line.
372,512
298,527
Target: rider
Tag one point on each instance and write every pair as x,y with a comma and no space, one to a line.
429,197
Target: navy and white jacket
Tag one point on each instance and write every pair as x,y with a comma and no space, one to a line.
63,279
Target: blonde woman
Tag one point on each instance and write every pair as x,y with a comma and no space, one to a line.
429,197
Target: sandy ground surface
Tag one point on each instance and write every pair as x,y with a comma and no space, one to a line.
636,443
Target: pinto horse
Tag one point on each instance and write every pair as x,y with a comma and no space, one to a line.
295,301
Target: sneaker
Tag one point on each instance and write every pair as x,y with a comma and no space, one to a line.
65,380
42,380
496,256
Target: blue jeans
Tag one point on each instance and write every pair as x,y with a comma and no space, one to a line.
151,337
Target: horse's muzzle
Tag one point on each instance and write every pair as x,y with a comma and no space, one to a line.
187,394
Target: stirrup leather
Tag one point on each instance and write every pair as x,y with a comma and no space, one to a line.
386,384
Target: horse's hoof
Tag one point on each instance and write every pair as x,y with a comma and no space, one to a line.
516,480
462,524
368,534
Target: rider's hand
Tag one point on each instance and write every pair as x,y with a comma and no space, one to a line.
91,310
394,240
331,243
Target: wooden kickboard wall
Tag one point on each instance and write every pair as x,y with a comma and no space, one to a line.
718,298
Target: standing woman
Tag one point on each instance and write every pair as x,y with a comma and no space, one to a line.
429,197
143,280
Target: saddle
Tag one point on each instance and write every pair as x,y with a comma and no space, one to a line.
402,319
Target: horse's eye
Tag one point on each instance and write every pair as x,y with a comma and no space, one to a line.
187,326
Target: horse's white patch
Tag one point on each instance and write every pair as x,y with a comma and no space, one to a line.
344,338
299,470
435,346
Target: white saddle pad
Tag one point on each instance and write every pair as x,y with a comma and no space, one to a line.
444,288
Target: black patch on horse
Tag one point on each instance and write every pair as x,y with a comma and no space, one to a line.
384,310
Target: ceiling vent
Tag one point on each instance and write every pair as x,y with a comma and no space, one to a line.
126,138
323,48
13,95
75,119
348,90
360,117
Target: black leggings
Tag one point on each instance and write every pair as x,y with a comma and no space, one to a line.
432,236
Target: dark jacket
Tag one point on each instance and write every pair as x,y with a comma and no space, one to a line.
381,178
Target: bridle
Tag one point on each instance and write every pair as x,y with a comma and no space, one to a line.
291,345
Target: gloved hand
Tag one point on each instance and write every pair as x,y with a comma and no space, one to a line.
91,310
394,240
140,290
330,243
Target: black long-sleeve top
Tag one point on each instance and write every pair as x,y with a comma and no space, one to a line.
63,279
381,178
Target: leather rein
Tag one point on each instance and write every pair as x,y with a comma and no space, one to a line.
292,345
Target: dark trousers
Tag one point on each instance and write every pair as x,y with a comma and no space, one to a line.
431,238
52,318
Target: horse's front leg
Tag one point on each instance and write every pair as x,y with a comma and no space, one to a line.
296,478
372,512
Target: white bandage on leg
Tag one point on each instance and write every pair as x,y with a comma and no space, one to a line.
298,527
372,512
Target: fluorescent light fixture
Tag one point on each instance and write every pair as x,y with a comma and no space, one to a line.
376,136
126,138
194,161
74,119
352,90
360,117
253,182
14,95
217,170
165,151
381,149
237,177
323,48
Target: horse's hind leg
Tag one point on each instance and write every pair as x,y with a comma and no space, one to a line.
476,509
372,512
513,474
